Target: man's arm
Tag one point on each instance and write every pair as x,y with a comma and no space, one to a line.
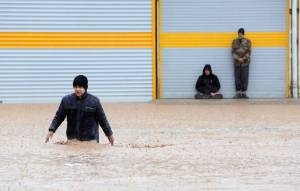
233,48
59,117
250,47
216,86
200,86
104,123
57,120
249,51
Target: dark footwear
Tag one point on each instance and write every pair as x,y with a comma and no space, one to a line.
238,96
201,96
245,96
218,96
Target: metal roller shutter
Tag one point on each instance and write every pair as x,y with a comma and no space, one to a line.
44,44
183,57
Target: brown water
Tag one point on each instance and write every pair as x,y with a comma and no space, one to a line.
164,146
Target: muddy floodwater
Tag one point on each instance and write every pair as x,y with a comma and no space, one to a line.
185,145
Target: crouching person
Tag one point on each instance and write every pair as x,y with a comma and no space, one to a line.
208,85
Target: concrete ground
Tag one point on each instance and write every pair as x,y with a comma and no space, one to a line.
166,145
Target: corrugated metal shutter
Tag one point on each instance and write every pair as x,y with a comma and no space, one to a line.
181,66
39,75
75,15
45,74
223,15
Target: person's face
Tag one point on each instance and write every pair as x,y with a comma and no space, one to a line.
241,35
79,91
207,72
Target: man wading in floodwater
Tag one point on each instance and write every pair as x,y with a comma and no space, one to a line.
84,112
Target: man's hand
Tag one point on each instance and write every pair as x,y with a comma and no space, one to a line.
241,60
111,139
49,136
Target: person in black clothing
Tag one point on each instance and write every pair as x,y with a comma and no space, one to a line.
208,85
84,112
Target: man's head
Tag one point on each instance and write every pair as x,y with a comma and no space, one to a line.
207,71
241,32
80,85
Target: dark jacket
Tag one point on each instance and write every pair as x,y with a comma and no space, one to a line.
83,116
208,84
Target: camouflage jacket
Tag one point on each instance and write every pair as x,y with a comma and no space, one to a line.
241,49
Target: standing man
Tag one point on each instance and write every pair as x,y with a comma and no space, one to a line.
84,112
241,53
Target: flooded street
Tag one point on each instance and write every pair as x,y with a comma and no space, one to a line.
226,145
